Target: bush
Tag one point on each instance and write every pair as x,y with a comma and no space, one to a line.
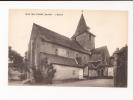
47,77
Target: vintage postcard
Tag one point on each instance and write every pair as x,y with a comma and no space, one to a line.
68,47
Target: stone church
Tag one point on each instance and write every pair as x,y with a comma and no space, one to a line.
73,58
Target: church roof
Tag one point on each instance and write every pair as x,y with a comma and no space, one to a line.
102,50
82,27
55,59
55,38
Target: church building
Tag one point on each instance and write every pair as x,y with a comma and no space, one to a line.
73,58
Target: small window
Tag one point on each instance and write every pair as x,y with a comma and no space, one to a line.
42,40
68,53
56,51
62,52
73,72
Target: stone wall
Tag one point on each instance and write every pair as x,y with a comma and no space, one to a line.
120,67
67,72
86,41
54,49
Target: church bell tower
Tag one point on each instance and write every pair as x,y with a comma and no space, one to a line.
83,36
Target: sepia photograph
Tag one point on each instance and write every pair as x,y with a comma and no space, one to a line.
75,47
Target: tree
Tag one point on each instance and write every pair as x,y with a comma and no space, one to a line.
45,72
15,59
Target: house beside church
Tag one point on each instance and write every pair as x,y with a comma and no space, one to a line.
73,58
120,61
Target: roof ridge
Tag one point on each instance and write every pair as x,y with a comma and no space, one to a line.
51,31
105,46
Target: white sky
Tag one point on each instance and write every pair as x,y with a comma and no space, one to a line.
110,27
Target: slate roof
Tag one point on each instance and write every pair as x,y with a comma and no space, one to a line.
55,38
55,59
102,50
81,28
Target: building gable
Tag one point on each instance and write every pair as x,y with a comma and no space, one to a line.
55,38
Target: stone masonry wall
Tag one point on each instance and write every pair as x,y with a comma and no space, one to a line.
86,41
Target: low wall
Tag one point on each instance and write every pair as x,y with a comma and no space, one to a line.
67,72
110,71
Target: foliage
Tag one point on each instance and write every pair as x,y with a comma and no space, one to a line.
44,74
15,59
38,77
121,74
